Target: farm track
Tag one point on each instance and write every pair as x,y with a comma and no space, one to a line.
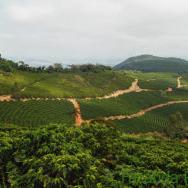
133,88
138,114
78,117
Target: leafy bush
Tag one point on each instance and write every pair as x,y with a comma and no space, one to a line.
176,128
90,156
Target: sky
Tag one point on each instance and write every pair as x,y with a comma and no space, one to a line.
96,31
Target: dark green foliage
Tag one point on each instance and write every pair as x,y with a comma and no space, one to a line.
9,66
15,91
89,68
91,156
176,128
6,65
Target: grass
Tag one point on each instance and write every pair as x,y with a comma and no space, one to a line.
34,113
64,84
22,79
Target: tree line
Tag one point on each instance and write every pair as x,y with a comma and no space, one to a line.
10,66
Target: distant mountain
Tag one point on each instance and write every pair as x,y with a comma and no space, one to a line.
150,63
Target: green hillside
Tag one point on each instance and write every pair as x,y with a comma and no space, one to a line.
28,84
149,63
47,93
60,128
21,80
61,84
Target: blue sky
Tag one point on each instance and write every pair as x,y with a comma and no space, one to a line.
105,31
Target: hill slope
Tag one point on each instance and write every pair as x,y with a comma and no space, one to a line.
22,80
150,63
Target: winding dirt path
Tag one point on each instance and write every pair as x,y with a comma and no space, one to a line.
78,116
138,114
133,88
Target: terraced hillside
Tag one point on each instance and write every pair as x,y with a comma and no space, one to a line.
157,120
115,97
126,104
34,113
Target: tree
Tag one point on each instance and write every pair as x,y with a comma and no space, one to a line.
58,67
5,67
89,68
15,90
176,128
50,69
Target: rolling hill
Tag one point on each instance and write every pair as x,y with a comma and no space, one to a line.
92,127
150,63
31,96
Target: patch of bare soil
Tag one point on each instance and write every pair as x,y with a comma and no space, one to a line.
184,141
5,98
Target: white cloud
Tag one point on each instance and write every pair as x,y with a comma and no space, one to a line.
95,29
29,12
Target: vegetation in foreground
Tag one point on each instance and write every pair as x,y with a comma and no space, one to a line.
90,156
